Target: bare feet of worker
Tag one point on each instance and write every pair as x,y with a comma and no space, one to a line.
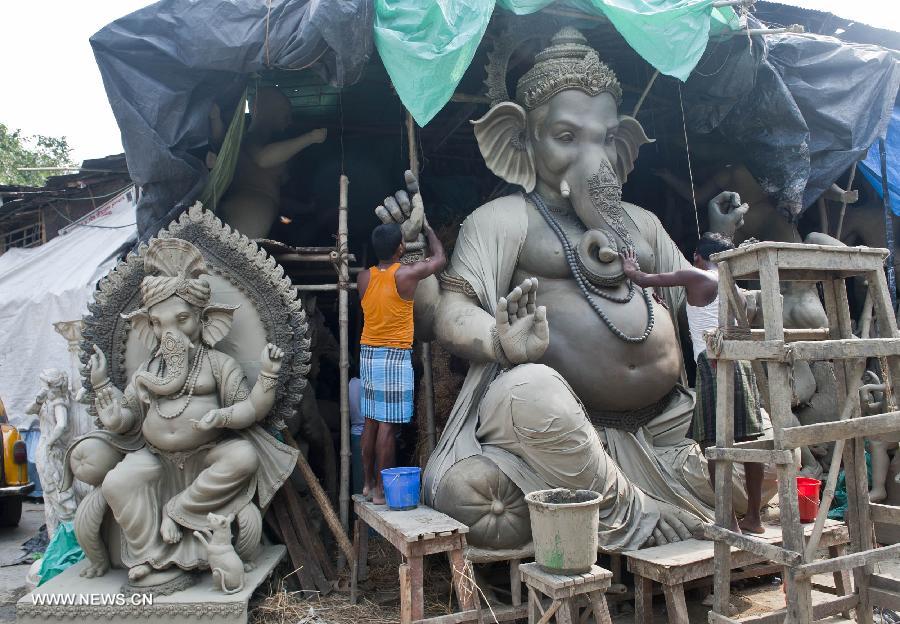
751,525
367,491
378,496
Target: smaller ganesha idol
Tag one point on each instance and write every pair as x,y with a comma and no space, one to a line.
183,440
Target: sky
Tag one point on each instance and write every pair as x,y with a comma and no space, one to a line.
52,85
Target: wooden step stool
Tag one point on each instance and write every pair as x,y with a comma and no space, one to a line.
564,592
416,533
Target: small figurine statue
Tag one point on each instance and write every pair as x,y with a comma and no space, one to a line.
183,440
253,200
227,567
52,408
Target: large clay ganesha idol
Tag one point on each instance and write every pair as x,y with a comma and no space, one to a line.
574,375
184,439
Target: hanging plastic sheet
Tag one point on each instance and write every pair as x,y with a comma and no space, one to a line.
797,110
164,65
871,165
427,46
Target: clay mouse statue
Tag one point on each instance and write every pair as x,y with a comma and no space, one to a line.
227,568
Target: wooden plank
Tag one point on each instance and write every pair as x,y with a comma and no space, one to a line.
718,618
310,539
885,599
842,584
877,253
842,349
416,574
723,477
676,606
821,610
515,582
759,547
790,335
643,600
888,583
759,443
299,557
420,523
500,614
884,513
405,594
807,350
750,455
848,562
819,433
599,608
768,350
463,583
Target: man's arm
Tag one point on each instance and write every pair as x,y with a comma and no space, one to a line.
409,275
681,277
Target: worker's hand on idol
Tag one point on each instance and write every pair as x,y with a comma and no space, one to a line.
406,209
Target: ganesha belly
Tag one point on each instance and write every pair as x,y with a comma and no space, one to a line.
183,440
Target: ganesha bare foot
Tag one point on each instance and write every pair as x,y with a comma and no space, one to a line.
139,571
95,569
169,530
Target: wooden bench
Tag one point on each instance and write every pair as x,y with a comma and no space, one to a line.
416,533
678,564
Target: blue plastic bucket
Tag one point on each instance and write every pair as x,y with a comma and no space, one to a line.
401,487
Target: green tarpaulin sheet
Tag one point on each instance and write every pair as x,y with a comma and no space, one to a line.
62,551
427,45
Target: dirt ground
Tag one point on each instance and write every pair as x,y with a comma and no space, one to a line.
275,603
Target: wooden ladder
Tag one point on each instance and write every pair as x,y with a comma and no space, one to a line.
777,347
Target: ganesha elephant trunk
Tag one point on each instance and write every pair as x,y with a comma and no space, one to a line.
595,193
173,349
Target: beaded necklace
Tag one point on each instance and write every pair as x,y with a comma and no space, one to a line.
189,384
584,284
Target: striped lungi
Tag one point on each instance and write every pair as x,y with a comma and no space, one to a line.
747,416
386,374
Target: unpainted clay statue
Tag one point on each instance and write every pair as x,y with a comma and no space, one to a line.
52,407
574,375
252,202
761,221
881,448
182,440
224,562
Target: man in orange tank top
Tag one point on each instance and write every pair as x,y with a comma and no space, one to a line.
386,292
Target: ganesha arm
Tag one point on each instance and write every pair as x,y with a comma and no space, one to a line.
115,408
464,328
255,407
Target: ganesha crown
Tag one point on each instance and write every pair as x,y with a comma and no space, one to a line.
568,63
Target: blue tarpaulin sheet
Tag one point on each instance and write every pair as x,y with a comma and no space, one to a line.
871,165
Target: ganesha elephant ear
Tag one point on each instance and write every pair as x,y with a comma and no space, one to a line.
501,136
140,323
217,320
629,138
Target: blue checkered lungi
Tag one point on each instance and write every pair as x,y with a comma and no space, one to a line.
386,374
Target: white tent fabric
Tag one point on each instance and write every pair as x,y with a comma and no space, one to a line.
51,283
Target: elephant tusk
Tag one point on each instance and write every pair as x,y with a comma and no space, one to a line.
564,189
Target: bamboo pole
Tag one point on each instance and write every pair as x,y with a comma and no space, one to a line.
321,497
427,374
640,102
344,364
840,223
